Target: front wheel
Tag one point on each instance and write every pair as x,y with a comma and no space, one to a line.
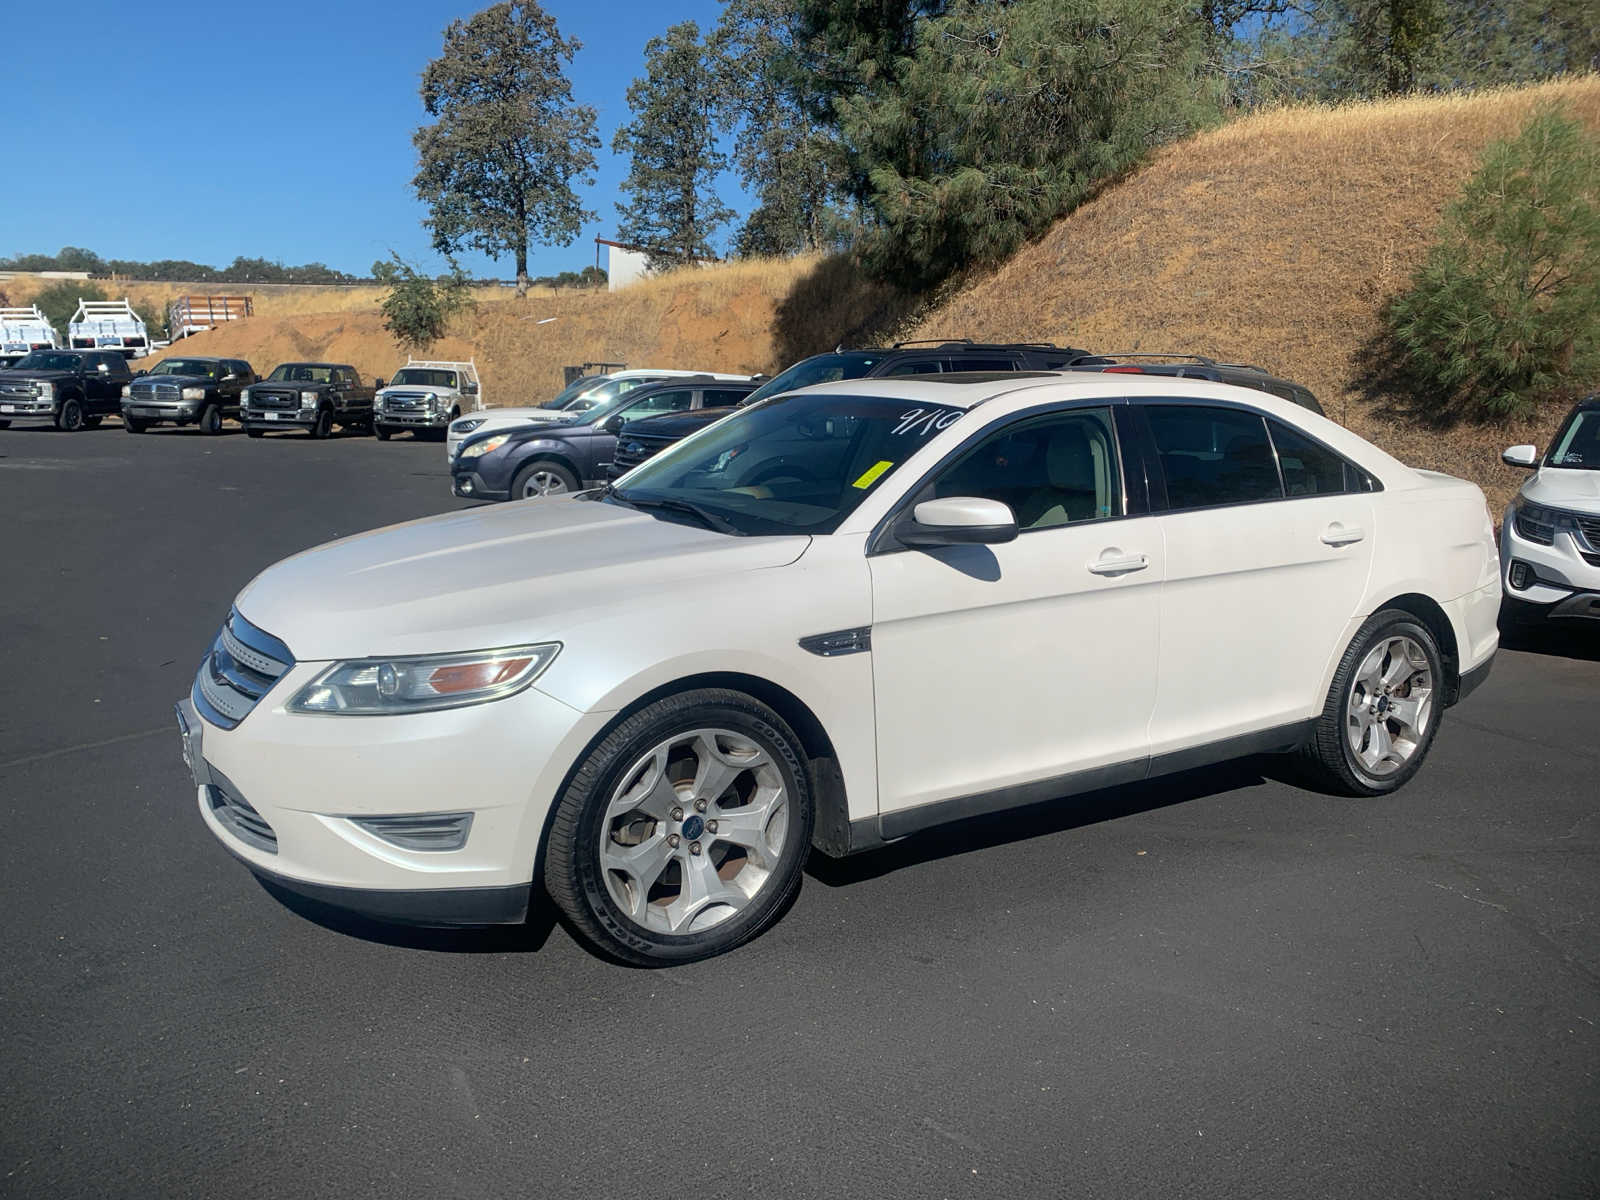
69,417
134,425
1382,710
324,425
210,421
543,478
382,432
684,832
255,433
91,422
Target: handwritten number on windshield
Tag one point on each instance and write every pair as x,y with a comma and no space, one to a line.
920,422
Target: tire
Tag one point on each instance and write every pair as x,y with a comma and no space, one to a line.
1382,710
543,477
382,433
692,892
210,422
323,429
69,417
5,424
134,425
92,422
255,433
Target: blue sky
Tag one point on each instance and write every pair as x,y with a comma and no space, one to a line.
279,130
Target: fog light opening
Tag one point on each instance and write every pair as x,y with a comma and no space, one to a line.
1521,575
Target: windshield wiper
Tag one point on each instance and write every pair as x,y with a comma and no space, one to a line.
709,519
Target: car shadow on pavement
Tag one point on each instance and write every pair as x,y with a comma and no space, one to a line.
528,937
1555,639
1047,817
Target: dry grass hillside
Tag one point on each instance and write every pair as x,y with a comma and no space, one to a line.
1274,240
715,318
270,299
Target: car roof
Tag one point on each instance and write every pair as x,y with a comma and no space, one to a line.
295,362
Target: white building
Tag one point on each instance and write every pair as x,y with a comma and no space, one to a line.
625,264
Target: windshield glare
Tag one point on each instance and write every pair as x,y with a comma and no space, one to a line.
819,368
186,366
1578,443
573,389
424,377
599,403
797,464
300,373
48,361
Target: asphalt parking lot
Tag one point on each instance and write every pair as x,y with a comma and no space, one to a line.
1214,985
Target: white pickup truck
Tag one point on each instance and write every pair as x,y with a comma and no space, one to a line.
108,325
23,330
424,396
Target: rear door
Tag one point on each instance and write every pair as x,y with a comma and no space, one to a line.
1268,549
1023,671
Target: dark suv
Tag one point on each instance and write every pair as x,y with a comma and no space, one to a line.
70,389
186,391
566,454
1195,366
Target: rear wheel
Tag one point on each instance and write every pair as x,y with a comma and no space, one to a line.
69,417
684,833
543,478
210,421
1382,710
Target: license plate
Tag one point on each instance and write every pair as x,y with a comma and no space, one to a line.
147,412
8,408
271,416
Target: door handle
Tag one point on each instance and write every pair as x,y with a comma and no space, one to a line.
1342,535
1125,565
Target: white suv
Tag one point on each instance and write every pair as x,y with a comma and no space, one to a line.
832,619
1550,537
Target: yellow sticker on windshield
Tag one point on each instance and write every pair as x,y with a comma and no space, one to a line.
871,474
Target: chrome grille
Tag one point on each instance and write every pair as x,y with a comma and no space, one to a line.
234,813
274,399
243,664
1591,530
631,451
155,391
408,402
24,390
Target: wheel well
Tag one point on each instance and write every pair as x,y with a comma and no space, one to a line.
549,456
832,828
1427,610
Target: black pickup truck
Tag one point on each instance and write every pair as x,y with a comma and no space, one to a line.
308,395
186,391
70,389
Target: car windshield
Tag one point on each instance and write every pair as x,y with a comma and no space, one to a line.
1578,443
187,366
574,389
424,377
819,368
300,373
49,361
797,464
600,402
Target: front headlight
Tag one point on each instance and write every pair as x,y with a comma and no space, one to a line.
465,427
307,399
478,449
1536,523
45,391
194,393
127,391
379,686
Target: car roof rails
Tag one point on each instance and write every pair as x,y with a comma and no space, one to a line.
1092,360
934,342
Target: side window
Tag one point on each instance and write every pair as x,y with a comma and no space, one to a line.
661,402
347,377
1052,470
1213,456
721,398
1310,469
983,364
915,366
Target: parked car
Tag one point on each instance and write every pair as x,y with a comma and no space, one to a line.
311,396
648,436
577,397
425,396
70,389
552,457
1196,366
24,330
186,391
833,620
1550,537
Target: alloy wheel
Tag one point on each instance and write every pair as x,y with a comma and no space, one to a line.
694,831
544,483
1390,706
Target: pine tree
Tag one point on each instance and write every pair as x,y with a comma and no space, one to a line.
496,167
673,210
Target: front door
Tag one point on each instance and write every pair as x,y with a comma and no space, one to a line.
1018,672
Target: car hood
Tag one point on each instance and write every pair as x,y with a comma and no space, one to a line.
180,380
531,571
427,389
31,376
1565,487
519,414
675,424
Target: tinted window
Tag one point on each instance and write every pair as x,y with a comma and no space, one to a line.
1050,470
1213,455
721,399
661,402
1308,468
819,368
983,364
916,366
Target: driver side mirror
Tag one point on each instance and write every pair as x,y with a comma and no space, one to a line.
1526,457
615,424
957,521
377,382
141,371
470,389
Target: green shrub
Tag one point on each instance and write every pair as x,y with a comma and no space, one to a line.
418,309
1505,310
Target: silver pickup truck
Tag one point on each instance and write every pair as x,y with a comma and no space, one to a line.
424,396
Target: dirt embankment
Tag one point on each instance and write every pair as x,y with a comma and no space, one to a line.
1275,240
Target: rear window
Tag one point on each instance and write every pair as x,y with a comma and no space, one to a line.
1213,456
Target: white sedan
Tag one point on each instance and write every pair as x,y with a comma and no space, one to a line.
836,618
1550,538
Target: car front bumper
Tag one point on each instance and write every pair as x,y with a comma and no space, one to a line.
413,420
27,410
306,779
1558,578
469,485
164,410
278,419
